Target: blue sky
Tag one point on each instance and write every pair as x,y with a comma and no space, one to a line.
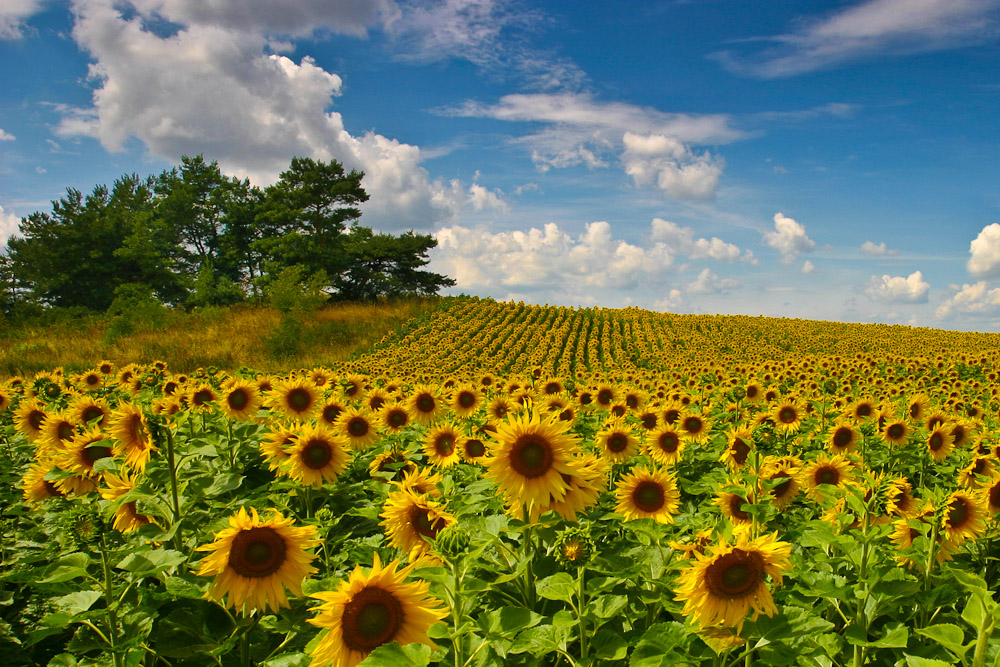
824,159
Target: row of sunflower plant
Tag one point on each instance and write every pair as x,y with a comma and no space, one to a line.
803,513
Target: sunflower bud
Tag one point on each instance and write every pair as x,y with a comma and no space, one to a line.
452,542
574,547
324,515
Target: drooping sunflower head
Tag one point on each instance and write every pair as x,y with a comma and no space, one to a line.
616,442
276,445
940,442
58,429
131,430
411,520
318,455
391,466
84,450
980,467
530,458
34,485
422,481
255,560
585,486
369,610
126,513
964,516
648,494
443,445
899,500
694,546
726,583
738,447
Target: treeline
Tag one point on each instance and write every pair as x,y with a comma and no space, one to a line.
193,237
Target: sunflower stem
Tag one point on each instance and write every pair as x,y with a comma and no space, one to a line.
529,553
985,630
582,602
172,466
109,601
458,640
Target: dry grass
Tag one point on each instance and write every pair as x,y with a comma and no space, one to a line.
227,338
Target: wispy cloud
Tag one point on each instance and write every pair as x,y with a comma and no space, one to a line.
868,29
13,14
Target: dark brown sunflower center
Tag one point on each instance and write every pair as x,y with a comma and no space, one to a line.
752,392
475,448
299,399
92,379
863,410
586,398
396,418
202,396
669,442
238,399
65,431
466,399
376,402
617,442
500,410
649,422
105,369
358,427
934,422
51,489
959,433
553,388
740,450
958,512
92,412
605,396
895,431
352,389
648,496
693,425
994,495
979,467
425,403
331,412
94,453
531,456
735,574
317,454
735,504
257,552
566,415
371,618
914,411
787,415
843,437
35,419
827,475
936,441
632,401
421,521
444,444
781,488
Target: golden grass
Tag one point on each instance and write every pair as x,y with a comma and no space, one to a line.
227,338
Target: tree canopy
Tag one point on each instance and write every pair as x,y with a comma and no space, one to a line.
194,237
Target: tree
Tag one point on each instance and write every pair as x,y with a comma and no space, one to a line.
385,265
304,215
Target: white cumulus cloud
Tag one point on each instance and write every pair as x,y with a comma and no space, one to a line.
13,13
6,136
897,289
880,250
8,225
212,88
975,299
808,267
708,282
984,260
789,238
682,240
663,161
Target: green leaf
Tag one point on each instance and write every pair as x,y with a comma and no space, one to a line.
559,586
288,660
182,588
610,645
66,568
974,612
394,655
657,648
607,606
151,561
947,635
76,603
508,621
63,660
970,580
895,637
223,484
917,661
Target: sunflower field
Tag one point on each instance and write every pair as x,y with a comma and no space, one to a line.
502,484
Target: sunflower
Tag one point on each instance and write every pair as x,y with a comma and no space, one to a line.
376,398
367,611
935,419
753,392
241,399
473,450
722,586
424,405
964,517
842,438
694,427
106,368
940,442
665,445
605,395
787,416
980,466
393,417
276,444
127,515
202,397
465,400
531,456
908,529
738,448
961,432
649,419
83,451
410,520
357,425
992,494
296,398
648,494
917,407
731,504
317,456
87,409
616,442
861,410
698,544
58,430
831,470
128,426
443,445
781,476
894,431
34,485
899,498
353,386
255,560
422,481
